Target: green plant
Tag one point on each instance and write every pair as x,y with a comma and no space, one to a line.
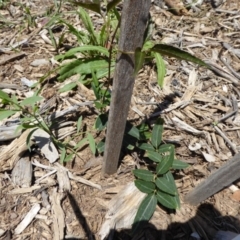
31,118
158,184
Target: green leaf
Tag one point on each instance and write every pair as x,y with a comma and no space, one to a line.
101,122
112,4
177,53
147,46
67,87
81,49
4,96
86,20
93,6
100,147
92,143
81,143
63,154
79,124
139,60
145,187
132,131
157,131
143,174
31,100
177,164
165,148
82,37
146,147
161,69
167,200
69,157
154,156
83,67
28,140
145,211
6,113
166,163
167,184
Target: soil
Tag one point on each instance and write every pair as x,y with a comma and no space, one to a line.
192,95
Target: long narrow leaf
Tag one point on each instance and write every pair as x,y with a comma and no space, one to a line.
112,4
4,96
6,113
177,53
139,60
161,69
166,163
81,49
91,143
88,25
93,6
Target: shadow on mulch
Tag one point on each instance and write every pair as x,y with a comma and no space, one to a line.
206,223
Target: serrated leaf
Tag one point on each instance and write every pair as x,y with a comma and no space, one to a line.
154,156
84,67
144,186
112,4
146,147
139,60
67,87
85,48
165,148
147,46
6,113
143,174
101,122
166,183
177,164
31,100
145,211
79,124
92,143
86,20
93,6
167,200
161,69
177,53
166,163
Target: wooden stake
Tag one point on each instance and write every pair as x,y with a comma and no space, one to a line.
223,177
133,24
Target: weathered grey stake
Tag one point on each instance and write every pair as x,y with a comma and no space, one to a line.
133,24
223,177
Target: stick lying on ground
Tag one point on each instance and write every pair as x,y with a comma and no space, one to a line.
220,179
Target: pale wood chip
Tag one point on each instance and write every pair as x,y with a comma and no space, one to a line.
12,57
27,219
22,172
57,214
13,152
